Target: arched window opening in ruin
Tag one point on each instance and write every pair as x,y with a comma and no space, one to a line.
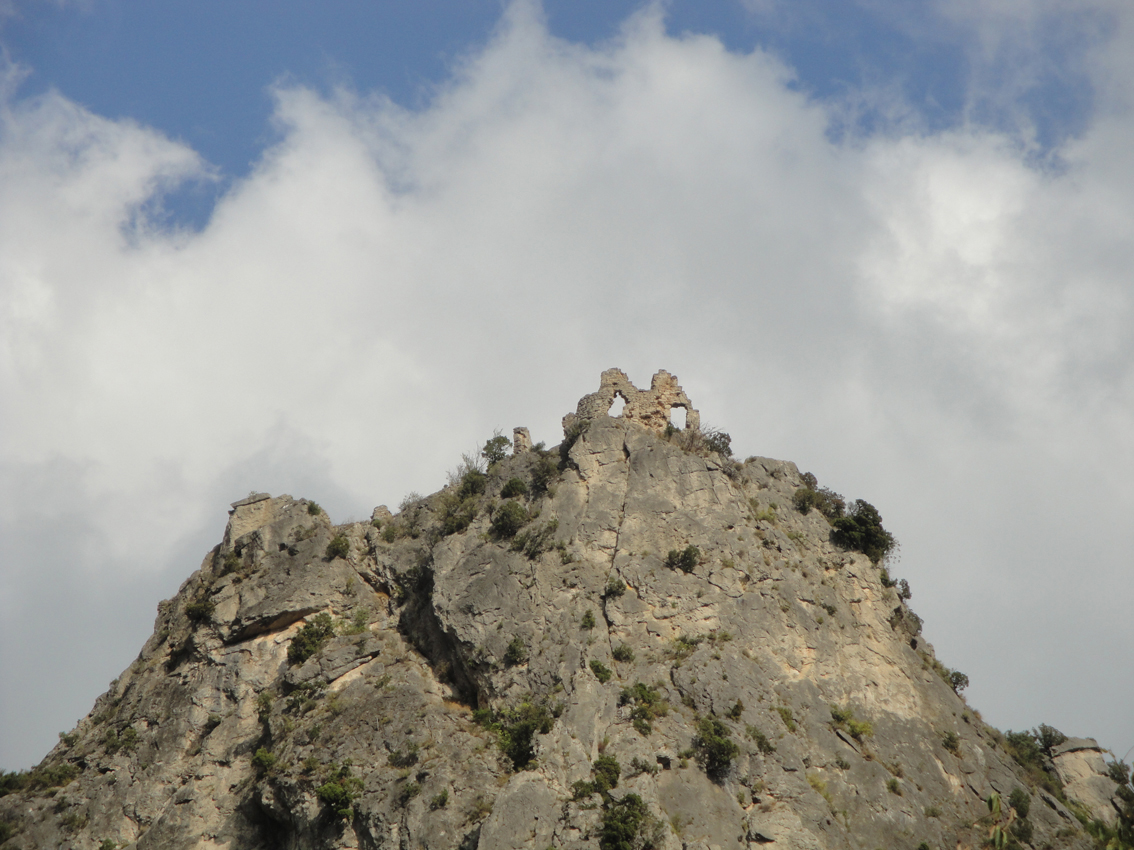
677,417
617,405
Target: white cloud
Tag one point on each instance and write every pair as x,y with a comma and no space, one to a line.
926,321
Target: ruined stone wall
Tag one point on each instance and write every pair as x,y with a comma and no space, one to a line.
650,408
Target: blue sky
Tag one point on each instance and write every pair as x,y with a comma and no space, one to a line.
323,249
201,71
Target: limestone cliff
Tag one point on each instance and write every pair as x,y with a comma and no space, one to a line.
621,634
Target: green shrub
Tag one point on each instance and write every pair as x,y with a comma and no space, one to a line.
440,801
456,513
787,717
340,792
201,610
646,706
615,587
893,786
571,436
508,519
264,760
951,742
513,488
811,495
861,530
622,652
639,766
588,621
516,728
339,547
543,473
843,718
1021,801
601,671
536,541
264,702
958,681
683,646
761,740
230,563
736,711
516,653
473,483
310,639
715,747
685,560
496,449
628,825
6,832
313,508
404,758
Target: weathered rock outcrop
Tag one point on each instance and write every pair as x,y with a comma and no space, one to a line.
367,685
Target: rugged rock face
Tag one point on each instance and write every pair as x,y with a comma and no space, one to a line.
465,673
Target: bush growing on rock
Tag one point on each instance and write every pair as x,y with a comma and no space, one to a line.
496,449
516,729
628,825
514,487
601,671
201,610
516,653
310,639
339,547
646,706
714,747
588,621
685,559
340,791
507,520
622,652
861,530
811,495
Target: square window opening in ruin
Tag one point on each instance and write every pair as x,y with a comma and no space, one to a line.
677,417
617,405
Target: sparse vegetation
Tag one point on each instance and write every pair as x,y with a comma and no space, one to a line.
514,487
736,711
787,717
201,610
951,742
264,760
536,541
843,718
685,559
615,587
340,791
339,547
646,706
601,671
496,449
622,652
310,639
760,739
516,653
507,520
588,621
516,729
829,503
715,747
440,801
861,530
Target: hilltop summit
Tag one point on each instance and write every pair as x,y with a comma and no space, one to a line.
631,640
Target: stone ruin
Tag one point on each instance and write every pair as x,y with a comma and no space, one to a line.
650,408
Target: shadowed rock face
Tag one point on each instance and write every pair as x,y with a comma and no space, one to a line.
234,745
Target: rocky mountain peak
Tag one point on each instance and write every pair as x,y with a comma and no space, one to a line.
631,640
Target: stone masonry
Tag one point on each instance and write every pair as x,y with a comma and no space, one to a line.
650,408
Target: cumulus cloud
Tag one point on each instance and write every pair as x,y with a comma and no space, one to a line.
930,321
